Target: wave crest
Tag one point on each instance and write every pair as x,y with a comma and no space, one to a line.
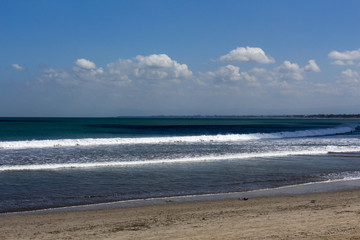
206,158
170,140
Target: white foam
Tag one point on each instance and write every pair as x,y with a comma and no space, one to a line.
177,160
165,140
316,132
355,175
121,141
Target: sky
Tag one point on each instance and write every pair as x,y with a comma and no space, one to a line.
106,58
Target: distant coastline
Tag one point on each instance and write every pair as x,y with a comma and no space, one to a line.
294,116
306,116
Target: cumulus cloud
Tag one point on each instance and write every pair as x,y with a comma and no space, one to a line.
281,77
17,67
258,71
84,63
73,76
293,71
155,67
312,66
345,58
346,55
342,63
350,76
61,76
156,60
289,70
349,82
230,74
93,74
83,71
339,63
248,54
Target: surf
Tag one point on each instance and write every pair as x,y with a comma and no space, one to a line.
185,159
220,138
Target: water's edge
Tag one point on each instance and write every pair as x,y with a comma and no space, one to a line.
306,188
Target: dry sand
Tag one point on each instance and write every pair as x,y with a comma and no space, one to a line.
333,215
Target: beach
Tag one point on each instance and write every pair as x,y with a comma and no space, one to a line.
179,178
331,215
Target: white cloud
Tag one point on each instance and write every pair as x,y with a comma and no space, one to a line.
227,73
156,60
312,66
84,63
230,74
120,70
156,67
345,58
339,63
154,73
346,55
248,54
350,76
144,69
343,63
349,82
83,71
293,71
17,67
61,76
258,71
289,70
92,75
280,78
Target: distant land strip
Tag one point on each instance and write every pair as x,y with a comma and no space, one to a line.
251,116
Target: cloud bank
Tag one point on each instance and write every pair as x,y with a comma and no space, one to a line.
160,82
157,74
161,70
156,68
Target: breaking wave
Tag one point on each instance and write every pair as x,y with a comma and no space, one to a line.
173,139
185,159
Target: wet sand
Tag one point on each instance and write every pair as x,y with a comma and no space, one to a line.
332,215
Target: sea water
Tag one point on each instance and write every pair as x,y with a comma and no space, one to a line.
55,162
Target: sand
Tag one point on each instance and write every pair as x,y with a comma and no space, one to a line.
334,215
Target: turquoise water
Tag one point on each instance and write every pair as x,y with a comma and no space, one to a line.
53,162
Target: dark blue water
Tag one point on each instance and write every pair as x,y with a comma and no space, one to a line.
60,128
61,162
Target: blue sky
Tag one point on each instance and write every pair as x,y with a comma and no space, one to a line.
114,58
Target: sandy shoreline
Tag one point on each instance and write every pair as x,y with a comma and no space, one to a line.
331,215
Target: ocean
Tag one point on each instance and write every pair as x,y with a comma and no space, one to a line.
57,162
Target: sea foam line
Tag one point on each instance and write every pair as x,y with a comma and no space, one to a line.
176,160
175,139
